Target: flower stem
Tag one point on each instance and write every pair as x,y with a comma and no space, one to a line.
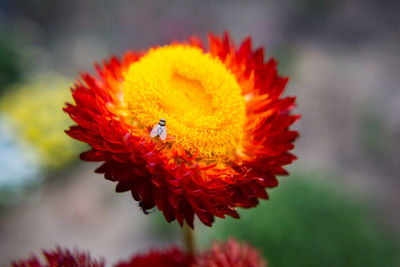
188,238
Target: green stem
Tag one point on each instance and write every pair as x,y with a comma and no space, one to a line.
188,238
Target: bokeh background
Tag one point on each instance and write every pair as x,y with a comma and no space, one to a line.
340,205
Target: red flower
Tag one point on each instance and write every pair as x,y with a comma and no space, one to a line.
231,254
227,126
61,258
171,257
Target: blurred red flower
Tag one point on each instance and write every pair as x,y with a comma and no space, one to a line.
223,254
227,126
171,257
231,254
61,258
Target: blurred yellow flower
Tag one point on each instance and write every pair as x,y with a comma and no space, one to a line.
34,110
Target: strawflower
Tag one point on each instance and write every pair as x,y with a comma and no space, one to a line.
61,258
227,126
170,257
222,254
231,254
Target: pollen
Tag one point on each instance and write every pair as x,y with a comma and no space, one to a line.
197,95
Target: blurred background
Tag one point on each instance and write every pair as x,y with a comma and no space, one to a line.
340,205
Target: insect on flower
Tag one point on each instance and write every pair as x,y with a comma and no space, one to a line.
159,130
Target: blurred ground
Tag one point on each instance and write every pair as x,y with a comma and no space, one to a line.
342,58
77,210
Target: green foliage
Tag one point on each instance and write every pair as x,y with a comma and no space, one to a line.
308,223
10,69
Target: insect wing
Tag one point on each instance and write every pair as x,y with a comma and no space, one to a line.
154,132
163,134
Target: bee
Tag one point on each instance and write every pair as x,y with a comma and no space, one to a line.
159,130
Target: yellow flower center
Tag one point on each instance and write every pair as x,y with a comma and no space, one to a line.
194,92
